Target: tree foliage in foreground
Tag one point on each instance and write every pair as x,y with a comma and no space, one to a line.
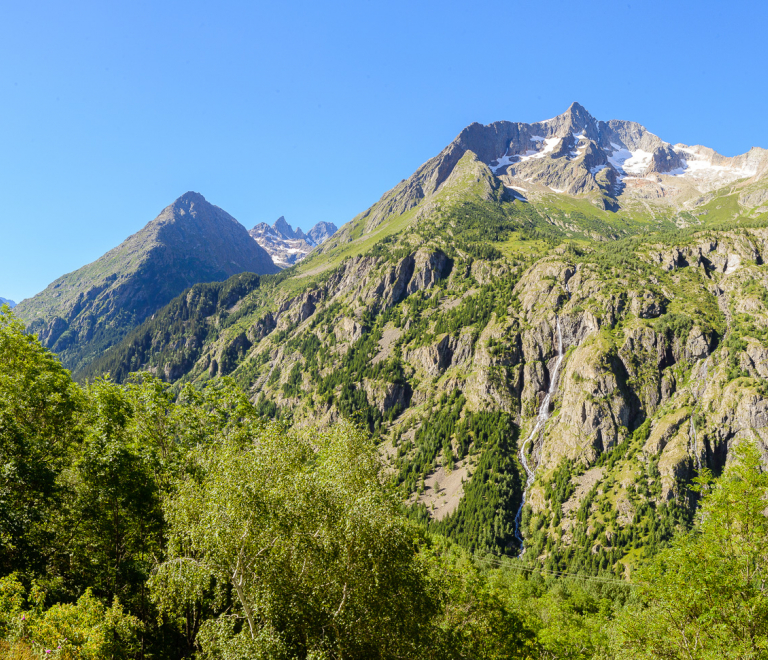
301,538
707,596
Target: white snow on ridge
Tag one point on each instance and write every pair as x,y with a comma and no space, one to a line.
537,138
581,148
628,162
550,144
502,162
699,165
516,194
506,159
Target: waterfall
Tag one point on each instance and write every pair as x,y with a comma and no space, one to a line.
696,454
541,420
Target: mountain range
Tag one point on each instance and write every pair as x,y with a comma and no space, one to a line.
6,301
551,329
286,246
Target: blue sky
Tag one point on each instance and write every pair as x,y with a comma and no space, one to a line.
109,111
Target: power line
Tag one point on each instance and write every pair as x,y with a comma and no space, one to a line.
505,563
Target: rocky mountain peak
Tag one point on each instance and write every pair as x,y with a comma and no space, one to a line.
321,232
188,200
283,228
189,242
577,118
287,246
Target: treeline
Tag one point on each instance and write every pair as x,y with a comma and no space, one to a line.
134,524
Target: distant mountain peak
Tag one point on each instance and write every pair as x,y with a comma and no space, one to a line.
7,301
190,199
322,231
578,110
578,117
287,246
282,226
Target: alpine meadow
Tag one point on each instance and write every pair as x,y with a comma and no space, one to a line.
517,408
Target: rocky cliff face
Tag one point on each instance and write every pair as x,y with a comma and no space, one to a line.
664,365
84,312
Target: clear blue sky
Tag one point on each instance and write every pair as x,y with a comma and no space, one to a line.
109,111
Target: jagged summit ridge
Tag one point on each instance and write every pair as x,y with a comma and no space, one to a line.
286,245
578,154
613,164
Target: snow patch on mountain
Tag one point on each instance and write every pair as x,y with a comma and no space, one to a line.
569,151
628,162
704,164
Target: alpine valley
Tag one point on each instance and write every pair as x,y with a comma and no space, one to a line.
567,319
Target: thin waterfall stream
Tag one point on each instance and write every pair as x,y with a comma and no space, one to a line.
541,420
693,418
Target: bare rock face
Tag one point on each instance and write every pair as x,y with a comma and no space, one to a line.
416,272
753,198
647,304
432,360
262,327
428,267
755,359
593,409
386,395
348,330
664,159
664,430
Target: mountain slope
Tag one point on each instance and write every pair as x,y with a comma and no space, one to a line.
6,301
618,166
84,312
475,329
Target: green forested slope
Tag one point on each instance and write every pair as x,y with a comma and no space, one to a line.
440,338
434,319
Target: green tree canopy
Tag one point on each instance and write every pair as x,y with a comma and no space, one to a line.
706,597
304,543
38,408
